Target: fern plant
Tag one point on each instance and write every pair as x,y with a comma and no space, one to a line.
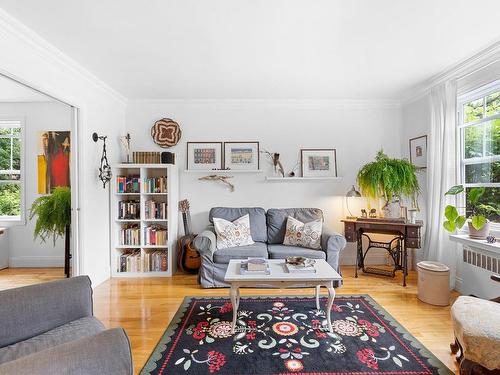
388,178
53,214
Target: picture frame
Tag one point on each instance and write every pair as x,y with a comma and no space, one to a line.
318,162
418,151
204,156
242,156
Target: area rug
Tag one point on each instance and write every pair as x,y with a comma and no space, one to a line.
287,335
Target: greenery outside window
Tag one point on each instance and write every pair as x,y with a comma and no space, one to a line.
479,126
11,202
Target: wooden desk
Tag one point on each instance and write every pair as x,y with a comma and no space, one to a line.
407,236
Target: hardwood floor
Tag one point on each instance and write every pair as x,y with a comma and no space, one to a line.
144,307
16,277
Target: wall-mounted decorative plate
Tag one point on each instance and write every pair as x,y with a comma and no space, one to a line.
166,132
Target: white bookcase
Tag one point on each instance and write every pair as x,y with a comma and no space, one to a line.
140,222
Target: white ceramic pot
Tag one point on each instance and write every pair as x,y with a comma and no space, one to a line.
480,234
392,210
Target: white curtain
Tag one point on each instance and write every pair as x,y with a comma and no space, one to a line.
441,174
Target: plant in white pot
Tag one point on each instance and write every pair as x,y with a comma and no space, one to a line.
479,225
390,179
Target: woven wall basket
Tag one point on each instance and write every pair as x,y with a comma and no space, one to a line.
166,132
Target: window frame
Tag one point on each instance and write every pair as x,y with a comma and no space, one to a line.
21,219
481,92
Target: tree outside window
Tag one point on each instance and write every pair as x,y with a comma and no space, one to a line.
10,169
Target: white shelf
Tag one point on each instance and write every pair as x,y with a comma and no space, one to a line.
156,220
142,274
291,179
127,193
128,220
154,194
137,166
225,171
154,247
127,246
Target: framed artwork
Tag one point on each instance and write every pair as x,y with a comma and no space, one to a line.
241,155
204,156
53,160
319,162
418,151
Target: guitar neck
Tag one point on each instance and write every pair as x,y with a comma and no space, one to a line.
186,219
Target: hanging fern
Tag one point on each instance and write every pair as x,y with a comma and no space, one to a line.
388,178
53,214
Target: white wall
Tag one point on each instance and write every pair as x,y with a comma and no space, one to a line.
32,60
39,116
356,130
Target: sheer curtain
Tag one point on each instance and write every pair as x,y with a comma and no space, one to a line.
441,174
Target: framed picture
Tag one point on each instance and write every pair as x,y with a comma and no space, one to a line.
319,162
204,156
418,151
53,159
241,155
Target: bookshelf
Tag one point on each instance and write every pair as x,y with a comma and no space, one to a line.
144,219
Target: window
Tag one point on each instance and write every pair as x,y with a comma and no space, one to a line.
479,124
10,170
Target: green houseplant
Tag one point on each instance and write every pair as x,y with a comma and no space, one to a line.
53,214
479,226
390,179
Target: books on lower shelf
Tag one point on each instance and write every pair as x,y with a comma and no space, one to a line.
130,235
130,210
128,184
143,261
155,185
155,235
155,210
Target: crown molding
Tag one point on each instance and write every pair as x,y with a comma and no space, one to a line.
463,68
13,26
361,103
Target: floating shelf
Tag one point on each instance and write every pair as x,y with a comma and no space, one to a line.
292,179
216,171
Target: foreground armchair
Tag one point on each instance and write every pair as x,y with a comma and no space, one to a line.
49,329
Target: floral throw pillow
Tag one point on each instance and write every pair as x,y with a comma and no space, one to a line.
303,234
233,234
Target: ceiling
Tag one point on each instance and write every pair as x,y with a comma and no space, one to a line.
12,91
263,49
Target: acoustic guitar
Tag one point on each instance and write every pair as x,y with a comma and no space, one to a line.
188,257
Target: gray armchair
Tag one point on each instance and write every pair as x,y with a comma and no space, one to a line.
268,231
49,328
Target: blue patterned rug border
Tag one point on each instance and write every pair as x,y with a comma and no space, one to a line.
166,338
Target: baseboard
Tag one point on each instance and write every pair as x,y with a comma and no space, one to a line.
36,261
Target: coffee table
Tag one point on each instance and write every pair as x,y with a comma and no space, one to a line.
325,275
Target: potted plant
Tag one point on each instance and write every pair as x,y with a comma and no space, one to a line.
479,225
390,179
53,214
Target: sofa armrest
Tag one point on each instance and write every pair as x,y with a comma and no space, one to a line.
333,244
107,352
31,310
206,243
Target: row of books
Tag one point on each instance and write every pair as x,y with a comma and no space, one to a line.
155,235
129,210
155,210
137,261
128,184
155,185
146,157
130,235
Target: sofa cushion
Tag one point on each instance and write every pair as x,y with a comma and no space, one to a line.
257,219
74,330
258,249
303,234
277,218
231,234
282,251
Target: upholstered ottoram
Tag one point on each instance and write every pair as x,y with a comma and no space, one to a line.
476,323
268,232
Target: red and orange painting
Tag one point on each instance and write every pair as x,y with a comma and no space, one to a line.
53,160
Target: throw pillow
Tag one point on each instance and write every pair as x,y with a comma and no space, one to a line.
303,234
233,234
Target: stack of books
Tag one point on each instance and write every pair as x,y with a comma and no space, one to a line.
127,184
155,185
134,261
155,235
294,268
255,266
155,210
146,157
129,210
130,235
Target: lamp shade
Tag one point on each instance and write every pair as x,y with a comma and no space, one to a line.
353,193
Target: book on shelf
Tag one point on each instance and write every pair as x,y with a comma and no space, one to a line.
146,157
128,184
137,261
155,185
129,210
292,268
130,235
155,235
155,210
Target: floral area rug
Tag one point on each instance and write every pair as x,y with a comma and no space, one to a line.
288,335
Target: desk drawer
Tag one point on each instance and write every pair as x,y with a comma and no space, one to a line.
350,236
413,232
413,243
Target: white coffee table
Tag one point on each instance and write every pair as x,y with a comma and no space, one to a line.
325,275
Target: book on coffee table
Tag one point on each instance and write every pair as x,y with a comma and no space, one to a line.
292,268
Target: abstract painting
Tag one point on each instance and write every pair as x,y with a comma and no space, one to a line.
54,153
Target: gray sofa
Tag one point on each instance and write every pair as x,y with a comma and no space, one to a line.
49,329
268,232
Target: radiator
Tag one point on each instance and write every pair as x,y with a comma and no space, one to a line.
477,267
